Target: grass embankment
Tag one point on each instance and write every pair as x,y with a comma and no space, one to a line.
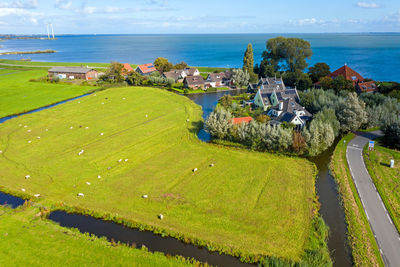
50,64
28,52
386,179
28,240
247,204
18,94
365,251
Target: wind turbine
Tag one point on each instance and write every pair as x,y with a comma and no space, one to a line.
48,26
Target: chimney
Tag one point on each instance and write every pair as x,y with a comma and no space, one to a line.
280,106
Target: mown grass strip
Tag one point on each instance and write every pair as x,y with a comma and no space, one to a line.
386,180
365,250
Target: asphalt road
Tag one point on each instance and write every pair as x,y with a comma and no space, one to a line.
385,232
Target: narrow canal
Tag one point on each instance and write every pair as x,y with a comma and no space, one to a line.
326,187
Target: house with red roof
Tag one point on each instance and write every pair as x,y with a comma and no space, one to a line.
126,69
358,81
242,120
348,73
146,69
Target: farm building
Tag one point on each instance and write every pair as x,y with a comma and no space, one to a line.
194,82
73,73
126,69
146,69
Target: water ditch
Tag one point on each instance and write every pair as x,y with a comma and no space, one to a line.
331,210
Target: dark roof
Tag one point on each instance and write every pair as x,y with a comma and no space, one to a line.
216,77
174,74
228,74
194,80
288,117
272,83
190,71
70,70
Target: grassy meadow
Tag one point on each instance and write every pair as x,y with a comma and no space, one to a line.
142,141
386,179
39,63
365,251
28,240
18,94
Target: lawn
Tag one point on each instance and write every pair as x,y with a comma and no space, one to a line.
28,240
365,251
142,141
385,178
38,63
18,94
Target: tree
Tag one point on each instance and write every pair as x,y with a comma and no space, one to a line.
287,54
319,136
267,70
241,78
181,66
326,83
318,71
352,113
219,123
328,115
113,73
226,101
262,118
299,79
134,78
340,83
391,128
248,63
162,64
299,143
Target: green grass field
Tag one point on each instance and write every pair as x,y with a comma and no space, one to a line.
254,203
365,251
386,179
18,94
38,63
28,240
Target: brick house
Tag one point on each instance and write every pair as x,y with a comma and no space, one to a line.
73,73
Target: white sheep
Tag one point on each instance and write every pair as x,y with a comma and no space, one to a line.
187,120
102,134
38,137
29,141
26,126
72,127
123,98
79,102
86,127
47,130
23,189
29,131
194,170
145,196
27,176
119,160
81,152
212,165
20,125
81,195
1,151
126,160
88,183
98,176
146,115
102,103
36,195
94,94
160,216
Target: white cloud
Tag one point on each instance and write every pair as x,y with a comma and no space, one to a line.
63,4
368,5
310,21
30,4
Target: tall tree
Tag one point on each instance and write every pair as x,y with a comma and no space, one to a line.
287,54
162,64
318,71
248,63
352,114
113,73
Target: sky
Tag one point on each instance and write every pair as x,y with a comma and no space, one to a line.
206,16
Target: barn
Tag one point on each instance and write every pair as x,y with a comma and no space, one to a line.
73,73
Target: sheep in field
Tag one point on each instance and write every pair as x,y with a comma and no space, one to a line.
160,216
27,176
88,183
81,152
81,195
126,160
23,189
98,176
194,170
1,151
36,195
145,196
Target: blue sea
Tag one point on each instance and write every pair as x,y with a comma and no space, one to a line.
373,55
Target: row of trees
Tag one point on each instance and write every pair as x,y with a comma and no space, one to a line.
334,114
163,65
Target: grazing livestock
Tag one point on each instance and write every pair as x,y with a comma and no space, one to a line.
212,165
126,160
1,151
194,170
98,176
23,189
29,141
88,183
72,127
145,196
101,134
146,116
27,176
81,152
187,120
119,160
81,195
36,195
86,127
160,216
38,137
20,125
26,126
29,131
47,130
